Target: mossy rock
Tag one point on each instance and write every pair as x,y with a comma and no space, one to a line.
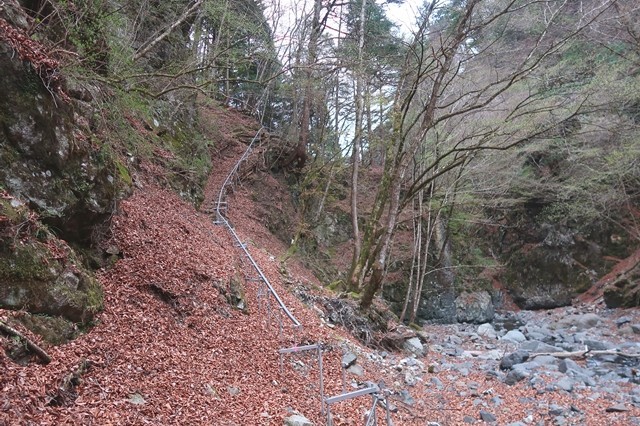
34,279
53,330
624,292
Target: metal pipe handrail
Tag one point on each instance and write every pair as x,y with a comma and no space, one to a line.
235,168
260,273
224,220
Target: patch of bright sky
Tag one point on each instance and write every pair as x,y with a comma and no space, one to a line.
404,15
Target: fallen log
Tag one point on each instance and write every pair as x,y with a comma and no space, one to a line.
44,357
585,353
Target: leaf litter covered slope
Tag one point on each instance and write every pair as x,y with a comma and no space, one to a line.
168,349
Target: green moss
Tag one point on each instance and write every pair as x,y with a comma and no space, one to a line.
123,172
336,285
415,326
54,330
26,263
354,295
6,209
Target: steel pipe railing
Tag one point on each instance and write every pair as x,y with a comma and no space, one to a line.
222,219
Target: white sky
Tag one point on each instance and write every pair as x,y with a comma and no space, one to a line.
404,15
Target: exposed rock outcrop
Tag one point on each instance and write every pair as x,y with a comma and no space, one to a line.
625,290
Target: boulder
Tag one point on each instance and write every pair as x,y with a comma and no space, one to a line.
487,330
580,321
624,292
517,357
32,276
549,273
514,336
414,345
474,307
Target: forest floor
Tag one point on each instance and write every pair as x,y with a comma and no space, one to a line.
168,348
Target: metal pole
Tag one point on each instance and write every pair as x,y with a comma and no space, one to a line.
386,405
321,380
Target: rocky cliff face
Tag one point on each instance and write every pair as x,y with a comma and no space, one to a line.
56,181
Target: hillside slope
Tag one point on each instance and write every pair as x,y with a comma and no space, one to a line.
169,348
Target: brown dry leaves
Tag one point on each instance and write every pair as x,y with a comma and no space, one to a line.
168,350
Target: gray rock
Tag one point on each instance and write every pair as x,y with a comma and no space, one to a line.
514,336
491,355
566,384
597,345
474,307
580,321
623,320
618,408
437,383
569,366
469,420
297,420
348,359
556,410
635,328
454,340
535,346
545,360
517,357
414,345
136,399
410,379
514,376
487,330
356,370
407,398
487,417
559,421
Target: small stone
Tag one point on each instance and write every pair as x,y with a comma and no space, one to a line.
136,399
469,420
233,391
356,370
406,397
348,359
566,384
514,336
623,320
618,408
556,410
410,379
437,382
414,345
297,420
487,330
514,376
487,417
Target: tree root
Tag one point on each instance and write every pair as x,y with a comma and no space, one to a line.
44,357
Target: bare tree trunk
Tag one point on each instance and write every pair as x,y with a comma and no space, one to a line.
357,141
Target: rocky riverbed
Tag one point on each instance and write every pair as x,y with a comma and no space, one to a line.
567,366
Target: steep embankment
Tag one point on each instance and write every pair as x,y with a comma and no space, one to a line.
168,347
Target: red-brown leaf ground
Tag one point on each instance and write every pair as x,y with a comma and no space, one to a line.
169,350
